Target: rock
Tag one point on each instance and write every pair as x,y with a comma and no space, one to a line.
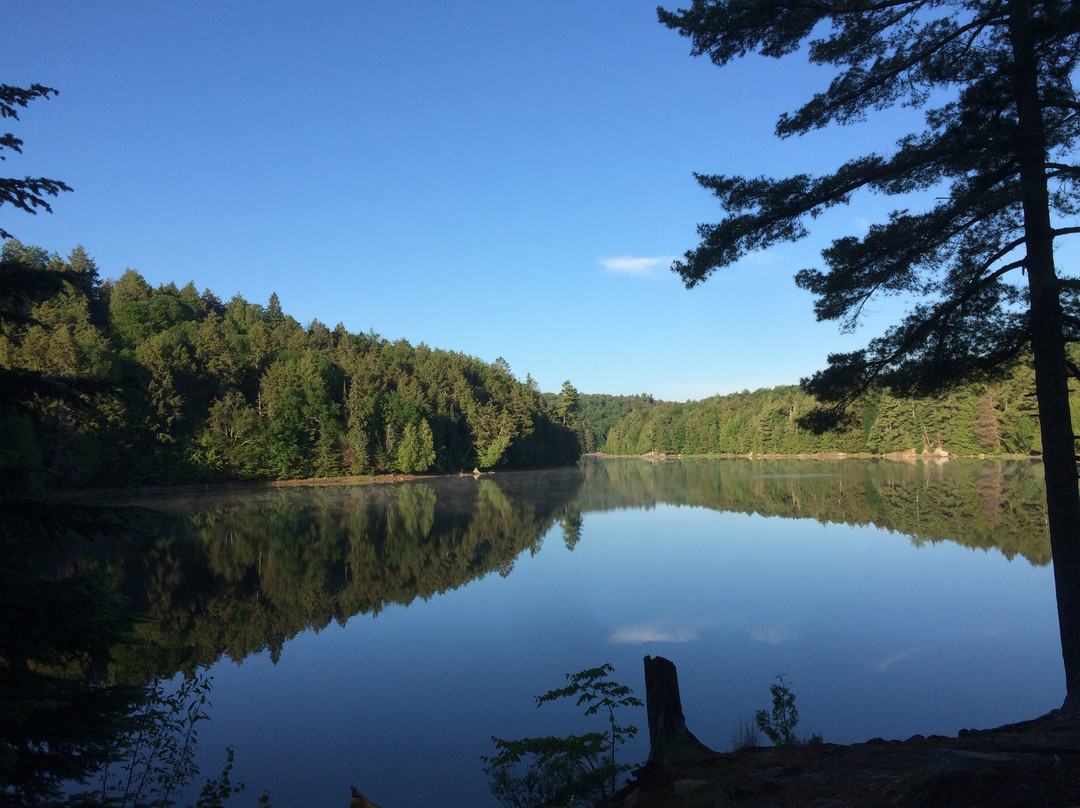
1033,763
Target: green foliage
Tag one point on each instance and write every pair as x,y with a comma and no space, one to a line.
186,388
997,417
568,405
559,771
416,452
1003,131
163,385
599,413
533,772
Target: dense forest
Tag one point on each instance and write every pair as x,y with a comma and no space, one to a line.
998,416
169,384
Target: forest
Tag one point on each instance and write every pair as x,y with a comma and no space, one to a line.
136,385
125,384
997,416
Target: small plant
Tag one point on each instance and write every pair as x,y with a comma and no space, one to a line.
779,723
532,772
592,687
563,771
154,761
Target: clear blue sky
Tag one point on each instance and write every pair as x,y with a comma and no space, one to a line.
492,177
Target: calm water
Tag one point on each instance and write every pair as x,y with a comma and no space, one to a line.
379,636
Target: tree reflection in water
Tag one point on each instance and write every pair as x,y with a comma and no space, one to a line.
243,571
239,572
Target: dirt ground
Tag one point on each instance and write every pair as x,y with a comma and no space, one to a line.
1034,764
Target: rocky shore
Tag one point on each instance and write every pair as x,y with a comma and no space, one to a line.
1034,764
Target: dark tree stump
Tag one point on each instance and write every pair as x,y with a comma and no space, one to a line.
670,742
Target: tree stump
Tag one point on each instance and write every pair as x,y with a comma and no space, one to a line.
670,742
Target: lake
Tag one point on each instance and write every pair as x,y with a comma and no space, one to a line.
380,635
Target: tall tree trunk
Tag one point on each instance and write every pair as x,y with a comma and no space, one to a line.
1048,347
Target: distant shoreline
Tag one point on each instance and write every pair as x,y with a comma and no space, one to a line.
234,486
938,456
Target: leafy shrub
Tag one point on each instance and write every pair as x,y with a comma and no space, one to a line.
533,772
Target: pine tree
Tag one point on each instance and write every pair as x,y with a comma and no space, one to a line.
29,194
997,153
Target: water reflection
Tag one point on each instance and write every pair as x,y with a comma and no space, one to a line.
239,572
982,504
672,557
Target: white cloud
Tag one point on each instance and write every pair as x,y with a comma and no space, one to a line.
639,267
653,632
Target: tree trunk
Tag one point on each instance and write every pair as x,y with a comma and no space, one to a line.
670,742
1048,348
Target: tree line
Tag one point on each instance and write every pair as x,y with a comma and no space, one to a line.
168,384
991,417
174,385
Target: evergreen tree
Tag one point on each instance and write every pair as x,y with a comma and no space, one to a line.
568,405
28,193
987,428
997,153
416,452
273,315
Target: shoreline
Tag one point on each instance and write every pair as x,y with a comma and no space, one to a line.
222,486
1035,762
910,455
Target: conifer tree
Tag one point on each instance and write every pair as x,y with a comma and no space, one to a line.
997,151
29,194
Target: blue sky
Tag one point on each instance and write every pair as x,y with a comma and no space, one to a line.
496,178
